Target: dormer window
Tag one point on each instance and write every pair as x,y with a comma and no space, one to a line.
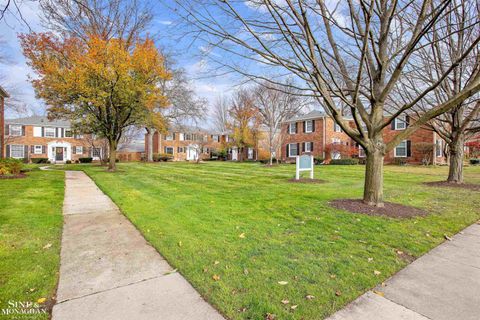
292,128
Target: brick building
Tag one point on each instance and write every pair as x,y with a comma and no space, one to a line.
38,137
317,134
3,95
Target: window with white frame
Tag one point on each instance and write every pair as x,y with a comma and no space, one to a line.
169,150
49,132
37,150
292,149
169,137
180,150
438,148
15,130
17,151
336,127
336,141
250,153
308,126
292,128
361,152
79,150
96,152
216,138
400,151
308,146
227,139
37,131
400,122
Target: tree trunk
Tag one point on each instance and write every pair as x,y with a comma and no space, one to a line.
150,133
373,189
112,165
455,170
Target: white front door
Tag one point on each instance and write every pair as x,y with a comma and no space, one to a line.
192,153
234,154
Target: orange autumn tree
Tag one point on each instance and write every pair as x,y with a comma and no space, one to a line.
102,86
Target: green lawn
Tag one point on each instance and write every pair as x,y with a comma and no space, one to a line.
30,233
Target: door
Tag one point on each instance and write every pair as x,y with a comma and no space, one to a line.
234,154
192,153
59,154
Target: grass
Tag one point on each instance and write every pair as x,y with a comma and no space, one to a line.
30,233
245,224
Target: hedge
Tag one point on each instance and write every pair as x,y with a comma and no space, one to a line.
39,160
347,161
474,161
85,160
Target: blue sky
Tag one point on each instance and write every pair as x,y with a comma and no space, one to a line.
15,71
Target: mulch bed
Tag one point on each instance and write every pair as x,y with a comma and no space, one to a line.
445,184
13,176
305,180
393,210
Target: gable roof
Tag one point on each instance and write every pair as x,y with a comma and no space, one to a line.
39,121
315,114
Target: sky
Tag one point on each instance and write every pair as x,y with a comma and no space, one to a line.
14,73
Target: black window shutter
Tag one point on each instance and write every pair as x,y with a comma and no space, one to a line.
296,127
303,147
298,149
63,132
74,150
409,148
407,120
23,130
8,151
392,125
56,132
304,126
26,151
311,146
7,130
174,136
44,149
43,131
32,149
287,149
313,125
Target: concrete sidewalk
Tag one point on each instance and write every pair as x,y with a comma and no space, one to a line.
108,270
444,284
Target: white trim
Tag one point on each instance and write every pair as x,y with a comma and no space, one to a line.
336,127
398,121
51,148
306,126
290,155
37,131
49,129
17,127
406,150
309,146
290,125
35,147
361,152
23,151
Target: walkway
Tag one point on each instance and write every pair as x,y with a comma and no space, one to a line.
444,284
108,270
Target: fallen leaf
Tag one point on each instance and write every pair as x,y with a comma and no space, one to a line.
384,284
216,262
48,245
309,297
270,316
285,301
242,310
179,243
376,272
338,293
245,271
447,237
333,276
294,307
282,283
380,293
216,277
205,269
41,300
32,289
399,252
171,271
370,259
242,235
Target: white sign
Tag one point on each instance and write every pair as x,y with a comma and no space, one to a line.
304,163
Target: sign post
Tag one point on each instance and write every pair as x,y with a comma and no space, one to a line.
304,163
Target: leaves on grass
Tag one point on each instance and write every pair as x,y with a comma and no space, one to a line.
242,235
338,293
205,269
41,300
447,237
309,297
180,243
285,301
32,289
216,277
170,272
333,276
270,316
380,293
282,283
370,259
216,262
376,272
48,245
294,307
245,271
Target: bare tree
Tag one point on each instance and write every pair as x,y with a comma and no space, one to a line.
220,114
276,104
446,44
349,55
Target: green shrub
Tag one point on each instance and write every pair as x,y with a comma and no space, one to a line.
162,157
318,160
39,160
474,161
85,160
346,161
68,162
10,166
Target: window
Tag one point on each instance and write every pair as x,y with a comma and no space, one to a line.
216,138
308,126
336,127
68,133
79,150
37,131
180,150
169,137
227,138
16,130
361,152
438,148
50,132
169,150
336,141
292,128
308,146
96,152
336,155
250,153
37,150
17,151
400,123
400,151
292,149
